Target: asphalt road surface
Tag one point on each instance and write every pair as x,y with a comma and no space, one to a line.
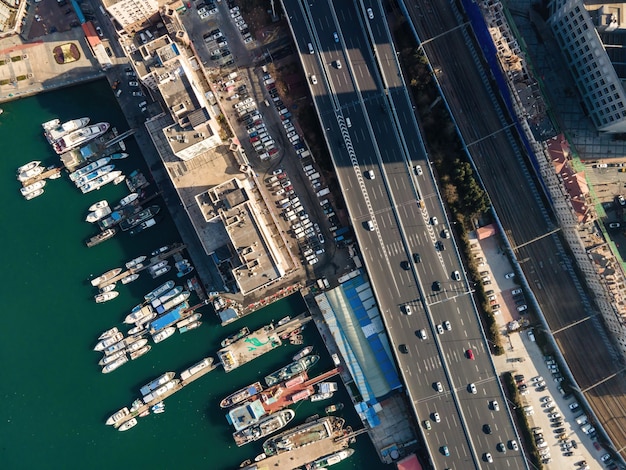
504,173
369,125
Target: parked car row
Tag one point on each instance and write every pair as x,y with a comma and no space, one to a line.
241,24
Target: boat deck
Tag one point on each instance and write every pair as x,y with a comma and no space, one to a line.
248,348
298,458
183,383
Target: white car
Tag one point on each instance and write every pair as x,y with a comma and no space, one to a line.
133,84
277,171
418,170
447,325
472,388
204,14
509,275
440,329
247,40
439,387
279,192
513,445
422,334
434,221
313,79
495,406
370,14
436,418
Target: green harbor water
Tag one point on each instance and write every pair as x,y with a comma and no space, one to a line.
54,397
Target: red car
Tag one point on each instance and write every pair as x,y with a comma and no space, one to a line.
289,188
254,139
470,354
273,151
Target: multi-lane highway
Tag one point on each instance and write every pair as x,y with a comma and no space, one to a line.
370,128
495,150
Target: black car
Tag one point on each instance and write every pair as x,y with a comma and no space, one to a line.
403,349
405,265
440,246
486,429
417,258
436,286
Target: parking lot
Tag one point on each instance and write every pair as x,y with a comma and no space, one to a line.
561,430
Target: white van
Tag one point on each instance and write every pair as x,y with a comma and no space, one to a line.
348,122
149,34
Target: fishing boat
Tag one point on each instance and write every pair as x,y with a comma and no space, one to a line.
99,205
138,315
32,187
98,214
79,137
105,277
321,396
167,296
188,320
28,174
128,424
173,302
119,179
159,405
303,352
28,166
296,339
241,395
56,175
107,288
108,341
291,370
266,426
110,358
34,194
130,278
232,338
163,288
115,364
117,416
191,326
101,237
163,334
54,130
134,262
140,352
303,435
119,156
325,391
159,265
94,175
182,272
197,368
156,383
128,199
137,229
163,249
137,329
136,345
161,391
139,217
329,460
100,181
333,408
144,413
109,332
160,272
89,168
101,298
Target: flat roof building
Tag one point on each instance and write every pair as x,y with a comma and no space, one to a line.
580,30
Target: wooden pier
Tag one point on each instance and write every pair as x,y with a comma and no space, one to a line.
183,383
42,176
